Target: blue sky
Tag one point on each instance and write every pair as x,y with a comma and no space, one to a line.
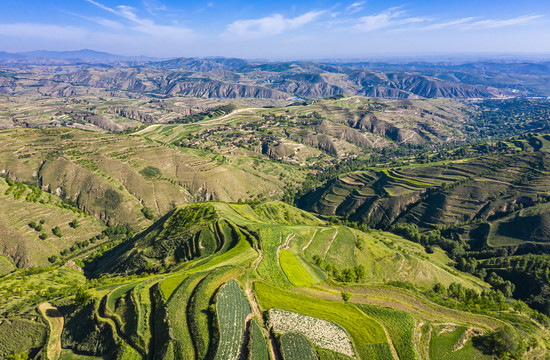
277,29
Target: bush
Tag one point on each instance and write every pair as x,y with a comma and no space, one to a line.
74,224
52,259
503,342
57,231
42,221
346,295
150,172
82,297
147,213
38,228
32,224
43,236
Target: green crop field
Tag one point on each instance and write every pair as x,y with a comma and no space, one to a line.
367,334
269,268
259,349
169,285
294,271
400,326
177,313
296,347
232,308
450,344
198,315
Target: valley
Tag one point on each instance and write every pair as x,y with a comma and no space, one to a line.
209,208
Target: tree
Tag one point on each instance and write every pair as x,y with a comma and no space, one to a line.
147,213
74,224
82,297
346,295
440,289
504,342
57,231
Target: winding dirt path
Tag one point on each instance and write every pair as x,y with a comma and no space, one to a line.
258,260
279,248
56,321
147,128
256,312
330,243
310,240
289,238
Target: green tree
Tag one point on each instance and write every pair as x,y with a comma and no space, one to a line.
346,295
57,231
82,297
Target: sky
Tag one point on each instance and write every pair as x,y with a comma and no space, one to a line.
278,30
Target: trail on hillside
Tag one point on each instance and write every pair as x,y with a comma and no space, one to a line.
56,322
330,243
310,240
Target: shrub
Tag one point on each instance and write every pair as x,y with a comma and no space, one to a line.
38,228
82,297
52,259
150,172
74,224
42,221
346,295
32,224
147,213
43,236
57,231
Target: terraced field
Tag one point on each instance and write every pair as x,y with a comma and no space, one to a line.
296,347
22,243
232,308
106,170
502,191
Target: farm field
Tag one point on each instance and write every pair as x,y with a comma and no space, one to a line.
335,229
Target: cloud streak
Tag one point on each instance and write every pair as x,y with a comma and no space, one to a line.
499,23
390,18
145,26
270,25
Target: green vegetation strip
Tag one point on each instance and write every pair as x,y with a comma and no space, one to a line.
367,334
177,314
448,345
232,308
259,349
400,326
168,286
296,347
414,182
297,275
198,311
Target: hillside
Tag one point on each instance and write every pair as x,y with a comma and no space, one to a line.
224,78
464,196
117,177
272,269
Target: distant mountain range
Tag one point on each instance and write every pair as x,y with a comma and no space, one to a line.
219,77
77,56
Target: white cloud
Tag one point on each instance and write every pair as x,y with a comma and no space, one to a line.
355,7
388,18
270,25
145,26
449,23
154,6
498,23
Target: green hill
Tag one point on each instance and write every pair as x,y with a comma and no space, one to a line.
162,293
